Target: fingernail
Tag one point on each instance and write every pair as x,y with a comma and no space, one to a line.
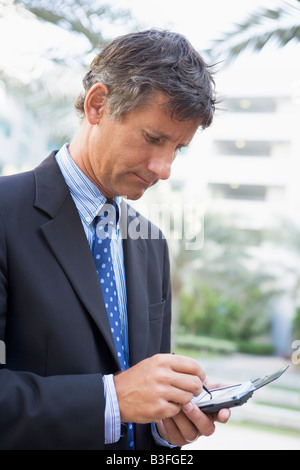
188,407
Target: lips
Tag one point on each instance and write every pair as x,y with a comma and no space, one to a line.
143,180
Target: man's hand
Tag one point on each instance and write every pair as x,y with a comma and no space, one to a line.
156,388
189,424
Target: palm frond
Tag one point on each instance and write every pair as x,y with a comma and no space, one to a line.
77,16
49,100
48,87
264,26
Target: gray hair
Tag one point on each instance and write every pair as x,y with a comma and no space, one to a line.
135,65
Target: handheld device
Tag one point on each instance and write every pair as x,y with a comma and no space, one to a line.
233,395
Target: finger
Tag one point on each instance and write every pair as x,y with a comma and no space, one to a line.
187,365
204,423
186,382
189,374
188,431
180,372
176,396
223,415
172,432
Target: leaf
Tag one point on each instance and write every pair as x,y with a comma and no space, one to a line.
262,27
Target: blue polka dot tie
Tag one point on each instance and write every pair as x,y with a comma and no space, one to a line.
105,227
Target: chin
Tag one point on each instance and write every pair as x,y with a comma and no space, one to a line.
135,197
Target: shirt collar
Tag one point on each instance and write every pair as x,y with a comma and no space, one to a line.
87,197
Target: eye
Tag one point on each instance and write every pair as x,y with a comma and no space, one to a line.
152,139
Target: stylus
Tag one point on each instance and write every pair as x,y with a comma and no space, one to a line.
207,391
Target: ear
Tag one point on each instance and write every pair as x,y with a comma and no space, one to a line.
95,102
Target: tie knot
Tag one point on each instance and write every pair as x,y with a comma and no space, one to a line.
107,219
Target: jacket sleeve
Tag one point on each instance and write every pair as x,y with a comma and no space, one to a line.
55,412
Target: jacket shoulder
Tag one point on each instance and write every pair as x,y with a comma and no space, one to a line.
20,188
15,188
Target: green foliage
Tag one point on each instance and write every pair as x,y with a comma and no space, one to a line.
296,325
255,348
204,344
203,310
227,294
196,346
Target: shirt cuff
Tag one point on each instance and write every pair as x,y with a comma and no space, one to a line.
157,439
112,419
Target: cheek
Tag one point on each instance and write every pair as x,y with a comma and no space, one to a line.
124,153
134,154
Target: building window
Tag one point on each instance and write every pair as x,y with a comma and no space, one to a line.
250,105
245,192
250,148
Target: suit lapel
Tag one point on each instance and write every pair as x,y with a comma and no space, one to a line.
135,260
65,236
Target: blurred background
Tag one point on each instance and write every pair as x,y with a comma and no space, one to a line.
231,207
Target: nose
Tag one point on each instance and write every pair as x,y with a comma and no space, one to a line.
160,165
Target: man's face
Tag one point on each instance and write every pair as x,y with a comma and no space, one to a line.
125,157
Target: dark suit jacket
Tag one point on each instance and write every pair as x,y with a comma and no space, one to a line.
53,320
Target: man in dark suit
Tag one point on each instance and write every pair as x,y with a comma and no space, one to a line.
63,385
